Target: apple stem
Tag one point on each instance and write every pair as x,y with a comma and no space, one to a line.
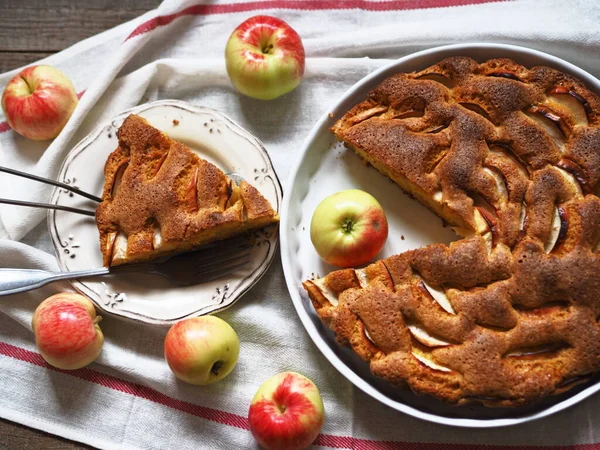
28,87
347,225
268,48
97,320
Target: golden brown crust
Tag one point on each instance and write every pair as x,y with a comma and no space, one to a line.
509,156
159,197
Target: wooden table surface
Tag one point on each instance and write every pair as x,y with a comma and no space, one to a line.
31,30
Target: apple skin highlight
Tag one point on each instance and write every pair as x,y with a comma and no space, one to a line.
264,57
38,102
201,350
286,413
66,329
348,228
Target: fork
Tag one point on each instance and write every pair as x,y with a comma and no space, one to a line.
205,264
235,177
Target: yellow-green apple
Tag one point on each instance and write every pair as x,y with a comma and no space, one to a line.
66,330
264,57
38,102
348,228
201,350
286,412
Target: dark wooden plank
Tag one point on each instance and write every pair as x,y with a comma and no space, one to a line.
15,436
12,60
51,25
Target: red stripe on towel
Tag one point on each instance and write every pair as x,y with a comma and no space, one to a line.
306,5
235,420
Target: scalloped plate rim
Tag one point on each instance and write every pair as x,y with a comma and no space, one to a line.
253,278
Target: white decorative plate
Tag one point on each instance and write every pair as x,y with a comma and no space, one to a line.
326,167
150,298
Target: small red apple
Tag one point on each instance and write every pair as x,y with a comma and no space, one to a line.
348,228
286,413
264,57
201,350
66,331
38,102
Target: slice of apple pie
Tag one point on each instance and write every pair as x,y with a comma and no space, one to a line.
510,157
160,198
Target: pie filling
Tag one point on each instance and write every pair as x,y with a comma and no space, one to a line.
509,166
161,199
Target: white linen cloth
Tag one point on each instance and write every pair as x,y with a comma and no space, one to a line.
128,398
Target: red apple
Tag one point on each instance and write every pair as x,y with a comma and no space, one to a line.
66,331
201,350
286,412
38,102
348,228
264,57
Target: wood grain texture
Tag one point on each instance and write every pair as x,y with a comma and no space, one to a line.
31,30
12,60
47,26
14,436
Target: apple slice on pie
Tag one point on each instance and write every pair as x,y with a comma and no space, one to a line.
509,157
160,198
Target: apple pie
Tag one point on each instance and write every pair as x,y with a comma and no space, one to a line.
160,198
510,157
